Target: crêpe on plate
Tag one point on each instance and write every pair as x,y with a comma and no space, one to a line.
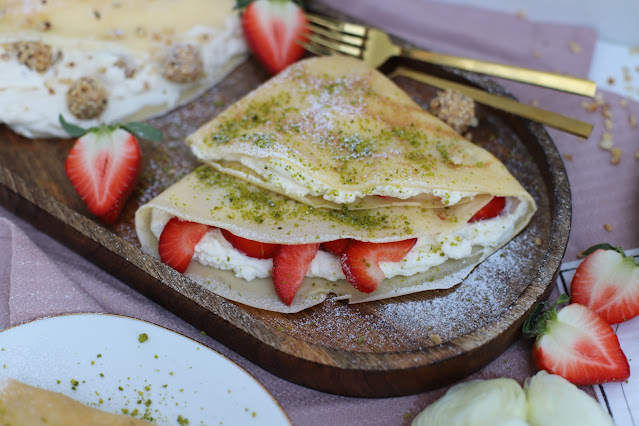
307,123
100,61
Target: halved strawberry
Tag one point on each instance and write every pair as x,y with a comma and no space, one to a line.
576,344
251,248
360,261
490,210
271,30
336,247
104,165
290,264
177,242
607,281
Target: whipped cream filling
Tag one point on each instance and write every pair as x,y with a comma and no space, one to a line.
31,101
300,184
215,251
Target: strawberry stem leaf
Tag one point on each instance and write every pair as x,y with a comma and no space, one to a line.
72,129
143,130
604,246
537,322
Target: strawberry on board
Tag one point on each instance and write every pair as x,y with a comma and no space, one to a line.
272,29
607,281
178,240
490,210
251,248
576,344
104,165
360,261
290,264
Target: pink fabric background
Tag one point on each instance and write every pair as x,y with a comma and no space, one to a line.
39,277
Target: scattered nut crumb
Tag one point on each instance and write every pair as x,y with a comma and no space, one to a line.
608,124
606,141
574,47
605,111
590,106
521,14
534,102
623,102
615,155
607,227
536,54
435,338
611,80
537,241
455,109
632,120
637,155
568,156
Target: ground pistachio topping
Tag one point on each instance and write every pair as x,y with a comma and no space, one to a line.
256,205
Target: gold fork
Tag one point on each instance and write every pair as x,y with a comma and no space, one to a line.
375,47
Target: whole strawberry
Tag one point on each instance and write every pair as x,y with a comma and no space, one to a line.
607,281
272,29
104,164
576,344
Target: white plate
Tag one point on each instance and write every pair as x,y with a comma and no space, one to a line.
175,375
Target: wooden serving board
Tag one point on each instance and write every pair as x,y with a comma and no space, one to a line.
386,348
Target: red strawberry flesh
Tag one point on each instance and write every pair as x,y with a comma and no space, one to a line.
290,265
336,247
608,283
251,248
490,210
581,347
360,261
103,167
272,29
177,242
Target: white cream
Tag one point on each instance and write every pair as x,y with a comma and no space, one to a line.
30,102
301,184
213,250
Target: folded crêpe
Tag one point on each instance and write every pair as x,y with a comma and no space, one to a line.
22,404
332,149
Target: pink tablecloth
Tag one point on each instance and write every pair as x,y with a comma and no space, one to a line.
39,277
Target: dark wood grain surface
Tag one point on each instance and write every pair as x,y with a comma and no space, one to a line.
391,347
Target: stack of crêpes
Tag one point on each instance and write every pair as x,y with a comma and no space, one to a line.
331,153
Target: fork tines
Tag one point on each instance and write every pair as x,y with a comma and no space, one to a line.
328,37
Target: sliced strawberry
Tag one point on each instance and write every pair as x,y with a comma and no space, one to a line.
272,29
576,344
290,264
104,164
336,247
607,281
490,210
178,240
360,261
251,248
103,167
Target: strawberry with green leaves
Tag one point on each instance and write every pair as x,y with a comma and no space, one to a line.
607,281
576,344
272,29
104,164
